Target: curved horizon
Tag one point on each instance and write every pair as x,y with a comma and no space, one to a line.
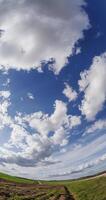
52,88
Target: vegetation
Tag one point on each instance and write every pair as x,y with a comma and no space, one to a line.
14,188
16,179
92,189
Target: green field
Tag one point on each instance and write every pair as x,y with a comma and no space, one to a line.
16,179
85,189
93,189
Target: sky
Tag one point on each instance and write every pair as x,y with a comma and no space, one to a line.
52,88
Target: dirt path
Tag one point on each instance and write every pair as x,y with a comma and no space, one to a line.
67,194
63,196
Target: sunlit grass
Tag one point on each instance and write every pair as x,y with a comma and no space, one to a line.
16,179
92,189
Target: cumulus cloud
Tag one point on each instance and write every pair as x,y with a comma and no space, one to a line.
69,93
4,101
75,120
60,137
5,119
36,31
93,85
37,135
5,94
98,125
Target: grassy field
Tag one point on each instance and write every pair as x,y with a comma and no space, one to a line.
14,188
93,189
16,179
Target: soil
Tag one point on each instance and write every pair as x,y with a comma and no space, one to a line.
17,191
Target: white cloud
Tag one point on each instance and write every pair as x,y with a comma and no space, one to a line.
4,101
69,93
93,83
6,83
30,96
78,50
79,157
43,123
35,151
5,119
60,113
75,120
98,125
82,167
37,135
5,94
60,137
4,107
18,135
34,31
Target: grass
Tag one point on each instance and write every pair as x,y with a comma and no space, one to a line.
92,189
85,189
16,179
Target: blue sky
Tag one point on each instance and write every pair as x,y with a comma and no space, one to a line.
52,88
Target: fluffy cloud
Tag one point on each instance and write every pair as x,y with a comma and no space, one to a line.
69,93
75,120
60,137
98,125
5,119
60,114
5,94
36,136
93,84
36,31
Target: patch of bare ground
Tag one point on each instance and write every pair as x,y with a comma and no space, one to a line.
19,191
